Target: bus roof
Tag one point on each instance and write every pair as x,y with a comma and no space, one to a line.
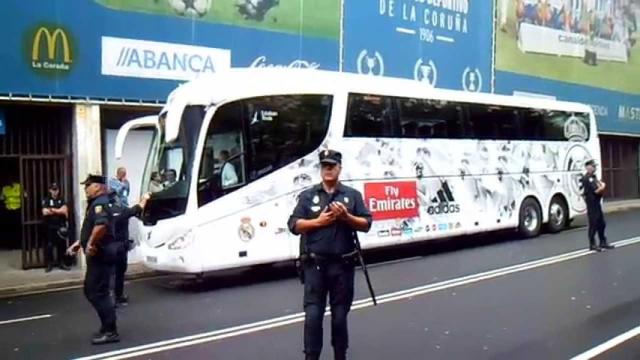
240,83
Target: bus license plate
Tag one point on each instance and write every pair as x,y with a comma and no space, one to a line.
152,259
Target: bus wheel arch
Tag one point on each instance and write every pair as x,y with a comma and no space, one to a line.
530,217
558,213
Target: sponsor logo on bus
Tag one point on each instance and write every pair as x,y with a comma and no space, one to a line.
263,62
391,200
396,231
443,202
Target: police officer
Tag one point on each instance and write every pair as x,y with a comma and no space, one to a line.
592,191
121,215
326,216
55,213
98,242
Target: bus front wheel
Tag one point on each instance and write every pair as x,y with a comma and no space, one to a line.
530,218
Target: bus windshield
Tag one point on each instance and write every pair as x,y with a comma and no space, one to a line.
168,170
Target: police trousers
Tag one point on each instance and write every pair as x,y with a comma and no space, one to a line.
55,245
596,225
335,278
120,270
96,290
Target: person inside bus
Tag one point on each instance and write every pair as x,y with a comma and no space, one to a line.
229,176
155,185
170,177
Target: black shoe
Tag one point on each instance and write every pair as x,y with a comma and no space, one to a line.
595,248
106,338
607,246
122,300
64,267
312,356
49,268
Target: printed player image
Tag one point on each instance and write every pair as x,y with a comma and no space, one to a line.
587,42
308,18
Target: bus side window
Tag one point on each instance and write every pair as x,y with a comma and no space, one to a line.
532,124
370,116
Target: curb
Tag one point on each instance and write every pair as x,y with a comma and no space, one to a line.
61,285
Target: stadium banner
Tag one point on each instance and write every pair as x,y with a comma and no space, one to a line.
544,40
444,44
142,49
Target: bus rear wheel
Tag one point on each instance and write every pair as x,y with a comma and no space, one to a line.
558,215
530,218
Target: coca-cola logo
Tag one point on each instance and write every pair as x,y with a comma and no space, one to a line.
261,62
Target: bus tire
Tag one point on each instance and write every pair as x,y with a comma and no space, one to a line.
558,215
530,219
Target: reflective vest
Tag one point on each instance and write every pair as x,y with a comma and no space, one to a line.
12,196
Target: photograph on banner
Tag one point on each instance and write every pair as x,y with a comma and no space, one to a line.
585,42
444,44
306,18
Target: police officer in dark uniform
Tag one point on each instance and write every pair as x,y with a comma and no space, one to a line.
55,213
592,191
98,242
326,216
121,215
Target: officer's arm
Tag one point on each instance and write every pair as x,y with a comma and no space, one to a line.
63,210
97,234
129,212
298,222
360,220
601,186
100,224
45,210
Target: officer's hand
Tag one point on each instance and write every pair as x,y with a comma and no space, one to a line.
73,249
92,250
326,218
339,210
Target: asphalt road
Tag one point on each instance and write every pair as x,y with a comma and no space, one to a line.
464,305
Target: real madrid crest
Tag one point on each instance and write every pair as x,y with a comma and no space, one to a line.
246,231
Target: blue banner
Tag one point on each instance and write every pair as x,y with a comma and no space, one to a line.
446,44
3,123
142,49
616,112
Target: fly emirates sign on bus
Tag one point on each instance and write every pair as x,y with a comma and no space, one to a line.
391,200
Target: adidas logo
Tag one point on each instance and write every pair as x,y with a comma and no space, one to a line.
444,202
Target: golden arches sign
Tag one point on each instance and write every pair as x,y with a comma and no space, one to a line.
51,40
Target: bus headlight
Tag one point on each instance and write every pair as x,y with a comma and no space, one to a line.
181,242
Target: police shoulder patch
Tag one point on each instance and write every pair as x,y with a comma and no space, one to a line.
98,209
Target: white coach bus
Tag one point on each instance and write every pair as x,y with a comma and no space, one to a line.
234,150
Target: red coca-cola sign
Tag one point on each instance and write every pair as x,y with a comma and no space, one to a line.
391,200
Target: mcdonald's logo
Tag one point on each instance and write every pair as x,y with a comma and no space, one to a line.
58,55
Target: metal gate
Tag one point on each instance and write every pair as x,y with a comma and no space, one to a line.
36,173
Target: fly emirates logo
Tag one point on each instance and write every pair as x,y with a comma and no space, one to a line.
391,200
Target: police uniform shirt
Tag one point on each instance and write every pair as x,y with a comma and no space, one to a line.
51,203
97,214
589,186
336,239
121,215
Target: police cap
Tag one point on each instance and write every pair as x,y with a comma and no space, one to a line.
590,163
93,179
330,157
53,186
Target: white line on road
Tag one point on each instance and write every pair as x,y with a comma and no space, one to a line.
608,345
4,322
360,304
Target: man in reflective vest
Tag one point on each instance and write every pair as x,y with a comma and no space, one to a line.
12,196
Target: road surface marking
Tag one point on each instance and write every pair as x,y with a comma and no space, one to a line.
608,345
5,322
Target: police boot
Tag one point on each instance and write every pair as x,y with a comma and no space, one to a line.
105,338
340,354
312,356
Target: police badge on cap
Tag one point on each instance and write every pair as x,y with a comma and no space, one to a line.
330,157
590,163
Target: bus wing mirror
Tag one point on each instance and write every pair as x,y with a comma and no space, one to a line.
121,138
